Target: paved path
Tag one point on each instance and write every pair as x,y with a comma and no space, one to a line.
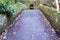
31,25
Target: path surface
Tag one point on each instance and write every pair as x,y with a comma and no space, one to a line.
32,25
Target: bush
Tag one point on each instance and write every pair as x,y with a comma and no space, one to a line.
49,11
5,11
10,11
3,22
16,8
52,13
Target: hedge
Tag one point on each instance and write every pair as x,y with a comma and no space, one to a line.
10,12
3,22
16,8
52,13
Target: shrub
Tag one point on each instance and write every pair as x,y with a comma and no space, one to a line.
49,11
10,11
16,8
3,22
52,13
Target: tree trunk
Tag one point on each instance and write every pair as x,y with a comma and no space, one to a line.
57,5
15,1
37,2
